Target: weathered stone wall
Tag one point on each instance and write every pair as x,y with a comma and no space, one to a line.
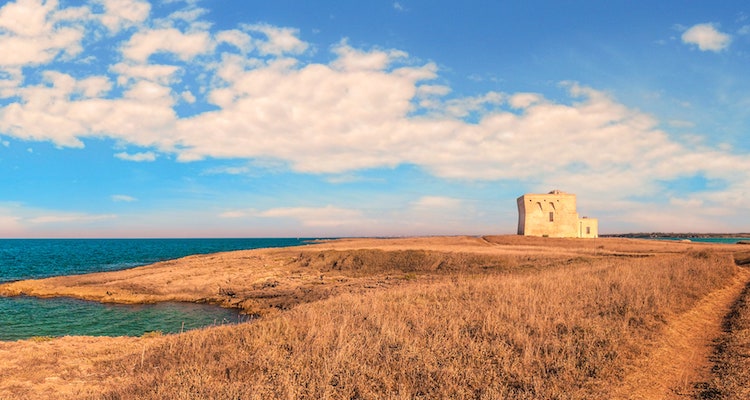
588,228
554,215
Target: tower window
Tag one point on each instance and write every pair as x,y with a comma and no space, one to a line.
588,230
551,216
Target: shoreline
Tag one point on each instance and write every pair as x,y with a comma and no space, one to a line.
259,281
683,235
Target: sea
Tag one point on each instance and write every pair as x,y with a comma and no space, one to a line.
719,240
26,317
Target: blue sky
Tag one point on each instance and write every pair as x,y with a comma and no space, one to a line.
228,118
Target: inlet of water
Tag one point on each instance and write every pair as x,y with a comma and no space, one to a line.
25,317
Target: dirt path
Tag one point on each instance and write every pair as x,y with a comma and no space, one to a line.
680,358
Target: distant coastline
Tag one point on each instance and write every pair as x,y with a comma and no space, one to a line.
688,235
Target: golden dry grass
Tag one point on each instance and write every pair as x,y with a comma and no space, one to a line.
495,317
564,332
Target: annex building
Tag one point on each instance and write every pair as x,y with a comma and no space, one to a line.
553,215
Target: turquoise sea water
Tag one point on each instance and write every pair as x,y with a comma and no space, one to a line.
24,317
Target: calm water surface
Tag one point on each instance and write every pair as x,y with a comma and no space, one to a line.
24,317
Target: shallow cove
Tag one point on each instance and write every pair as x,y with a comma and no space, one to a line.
26,317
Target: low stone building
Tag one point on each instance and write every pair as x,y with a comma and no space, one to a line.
553,215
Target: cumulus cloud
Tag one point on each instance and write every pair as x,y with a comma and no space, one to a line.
350,59
26,18
185,46
188,97
278,40
121,14
137,157
706,37
362,108
130,72
33,32
236,38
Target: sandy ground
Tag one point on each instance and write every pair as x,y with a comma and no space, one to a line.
267,281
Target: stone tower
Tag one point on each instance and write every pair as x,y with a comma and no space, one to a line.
553,215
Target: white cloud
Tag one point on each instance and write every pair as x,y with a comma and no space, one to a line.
367,108
229,170
706,37
191,14
461,107
234,214
26,17
33,32
162,74
185,46
524,100
137,157
678,218
188,97
121,14
433,90
278,40
318,217
123,198
236,38
350,59
691,203
70,218
359,112
436,202
21,220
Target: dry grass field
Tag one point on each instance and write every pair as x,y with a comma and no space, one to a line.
433,318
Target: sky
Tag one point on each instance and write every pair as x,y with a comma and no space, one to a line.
286,118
